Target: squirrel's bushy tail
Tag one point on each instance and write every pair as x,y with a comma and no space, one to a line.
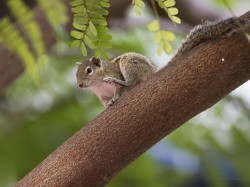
209,30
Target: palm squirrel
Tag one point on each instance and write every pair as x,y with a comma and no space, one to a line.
110,79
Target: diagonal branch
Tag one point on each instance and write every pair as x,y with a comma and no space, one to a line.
146,114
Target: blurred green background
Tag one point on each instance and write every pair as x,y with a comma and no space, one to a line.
212,149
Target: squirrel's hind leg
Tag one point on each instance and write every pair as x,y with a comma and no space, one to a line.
118,92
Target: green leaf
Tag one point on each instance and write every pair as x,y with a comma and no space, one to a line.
83,49
137,10
168,48
140,3
88,42
157,37
4,22
104,36
104,4
89,34
76,34
99,22
90,24
176,19
104,54
81,14
167,35
91,2
160,3
160,48
97,53
154,26
94,7
80,19
173,11
102,29
26,17
169,3
92,28
7,30
79,26
100,12
13,35
96,16
78,9
76,2
74,43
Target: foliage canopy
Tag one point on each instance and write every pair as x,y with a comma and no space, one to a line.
91,28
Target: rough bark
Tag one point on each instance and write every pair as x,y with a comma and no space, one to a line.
146,114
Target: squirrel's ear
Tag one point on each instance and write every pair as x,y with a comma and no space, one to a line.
78,63
96,61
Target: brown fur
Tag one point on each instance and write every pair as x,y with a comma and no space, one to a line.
129,67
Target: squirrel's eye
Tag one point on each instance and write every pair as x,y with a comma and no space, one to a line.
89,70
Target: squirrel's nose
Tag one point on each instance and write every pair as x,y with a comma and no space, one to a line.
80,83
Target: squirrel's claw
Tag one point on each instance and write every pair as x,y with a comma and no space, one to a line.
112,101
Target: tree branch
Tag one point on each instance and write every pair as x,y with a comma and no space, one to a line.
140,118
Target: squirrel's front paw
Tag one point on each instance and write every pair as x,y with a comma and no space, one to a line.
108,79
